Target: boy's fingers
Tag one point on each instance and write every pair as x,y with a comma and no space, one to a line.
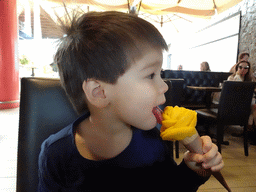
218,167
211,153
207,143
194,157
216,161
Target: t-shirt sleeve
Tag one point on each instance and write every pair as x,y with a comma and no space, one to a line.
47,180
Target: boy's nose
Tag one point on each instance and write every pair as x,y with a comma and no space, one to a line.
164,87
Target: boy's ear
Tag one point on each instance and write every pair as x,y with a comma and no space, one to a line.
95,93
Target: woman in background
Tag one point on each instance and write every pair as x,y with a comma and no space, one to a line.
204,66
243,73
242,57
180,68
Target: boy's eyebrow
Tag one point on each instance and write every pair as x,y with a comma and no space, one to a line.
151,65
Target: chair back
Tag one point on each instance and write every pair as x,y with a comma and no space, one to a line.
176,93
235,102
44,110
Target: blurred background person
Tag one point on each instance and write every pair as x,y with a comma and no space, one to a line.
243,73
204,66
180,68
242,57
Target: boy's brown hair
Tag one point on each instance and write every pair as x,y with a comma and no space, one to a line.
101,46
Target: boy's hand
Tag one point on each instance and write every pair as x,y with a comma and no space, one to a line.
211,159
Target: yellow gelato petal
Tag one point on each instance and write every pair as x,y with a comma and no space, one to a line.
178,123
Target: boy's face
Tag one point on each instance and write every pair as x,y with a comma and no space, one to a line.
139,90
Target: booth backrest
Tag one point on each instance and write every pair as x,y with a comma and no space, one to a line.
196,78
44,109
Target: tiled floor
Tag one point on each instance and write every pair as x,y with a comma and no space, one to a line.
239,171
9,121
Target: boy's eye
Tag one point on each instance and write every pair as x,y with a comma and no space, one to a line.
151,76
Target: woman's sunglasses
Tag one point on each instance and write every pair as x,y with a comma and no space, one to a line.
240,67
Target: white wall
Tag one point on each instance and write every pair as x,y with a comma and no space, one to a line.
210,44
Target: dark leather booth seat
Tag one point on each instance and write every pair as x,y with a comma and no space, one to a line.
196,99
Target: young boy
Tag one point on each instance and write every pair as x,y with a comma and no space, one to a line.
110,64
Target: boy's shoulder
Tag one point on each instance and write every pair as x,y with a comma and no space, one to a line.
66,132
58,140
57,146
62,141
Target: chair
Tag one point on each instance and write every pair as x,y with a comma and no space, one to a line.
234,109
44,110
174,97
176,93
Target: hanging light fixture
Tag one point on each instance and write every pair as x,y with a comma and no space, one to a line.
134,7
215,8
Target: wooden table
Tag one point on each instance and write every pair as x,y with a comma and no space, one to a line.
208,90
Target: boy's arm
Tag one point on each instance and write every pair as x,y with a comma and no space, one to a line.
191,181
46,178
46,183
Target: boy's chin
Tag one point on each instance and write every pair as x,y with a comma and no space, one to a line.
148,126
144,122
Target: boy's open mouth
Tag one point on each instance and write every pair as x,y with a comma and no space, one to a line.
158,114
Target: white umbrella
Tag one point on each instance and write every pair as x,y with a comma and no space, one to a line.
201,8
177,13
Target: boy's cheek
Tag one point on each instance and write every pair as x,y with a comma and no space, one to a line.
144,121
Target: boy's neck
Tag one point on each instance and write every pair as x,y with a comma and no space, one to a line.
105,122
102,137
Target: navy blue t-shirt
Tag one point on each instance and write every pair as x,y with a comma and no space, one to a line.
145,164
